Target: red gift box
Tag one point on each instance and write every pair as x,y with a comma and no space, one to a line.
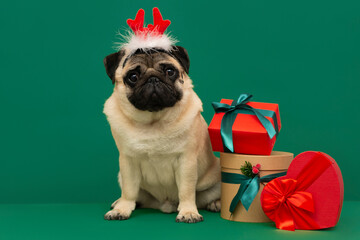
248,134
308,197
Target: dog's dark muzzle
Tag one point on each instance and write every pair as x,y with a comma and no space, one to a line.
153,80
155,85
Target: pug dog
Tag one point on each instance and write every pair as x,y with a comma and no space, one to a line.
166,160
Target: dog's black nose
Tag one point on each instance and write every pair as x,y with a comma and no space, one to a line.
153,80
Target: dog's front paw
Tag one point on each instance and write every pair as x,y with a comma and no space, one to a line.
116,214
189,217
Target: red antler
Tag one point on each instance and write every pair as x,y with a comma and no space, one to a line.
137,25
160,25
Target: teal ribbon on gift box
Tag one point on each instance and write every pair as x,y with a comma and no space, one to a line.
248,189
240,106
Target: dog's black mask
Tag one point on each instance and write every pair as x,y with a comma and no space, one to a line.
151,77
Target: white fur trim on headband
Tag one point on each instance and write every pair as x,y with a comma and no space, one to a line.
145,42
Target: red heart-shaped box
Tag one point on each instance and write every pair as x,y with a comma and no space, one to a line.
320,177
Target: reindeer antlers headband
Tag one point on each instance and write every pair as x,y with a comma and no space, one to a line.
150,37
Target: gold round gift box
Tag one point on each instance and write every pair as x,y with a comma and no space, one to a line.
275,163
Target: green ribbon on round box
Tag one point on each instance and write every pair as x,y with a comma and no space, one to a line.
249,187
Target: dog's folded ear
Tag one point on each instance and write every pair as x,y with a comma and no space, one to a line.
182,56
111,63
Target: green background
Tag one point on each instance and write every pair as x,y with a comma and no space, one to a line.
55,144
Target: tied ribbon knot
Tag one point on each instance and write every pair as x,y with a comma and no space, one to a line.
286,201
240,106
249,187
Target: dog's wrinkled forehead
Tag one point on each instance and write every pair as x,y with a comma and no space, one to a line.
147,59
150,58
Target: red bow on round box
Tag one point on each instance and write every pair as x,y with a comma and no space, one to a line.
308,197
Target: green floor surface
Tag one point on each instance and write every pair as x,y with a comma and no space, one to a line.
85,221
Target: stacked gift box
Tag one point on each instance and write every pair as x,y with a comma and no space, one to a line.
261,185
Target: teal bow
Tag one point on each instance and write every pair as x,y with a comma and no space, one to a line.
231,112
248,189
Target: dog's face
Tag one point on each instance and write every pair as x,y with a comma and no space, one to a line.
153,79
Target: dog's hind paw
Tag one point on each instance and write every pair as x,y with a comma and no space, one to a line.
167,207
214,206
113,204
116,214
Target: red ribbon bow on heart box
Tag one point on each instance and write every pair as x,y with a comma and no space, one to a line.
309,197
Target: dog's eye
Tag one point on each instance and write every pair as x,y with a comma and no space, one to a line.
170,71
133,77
